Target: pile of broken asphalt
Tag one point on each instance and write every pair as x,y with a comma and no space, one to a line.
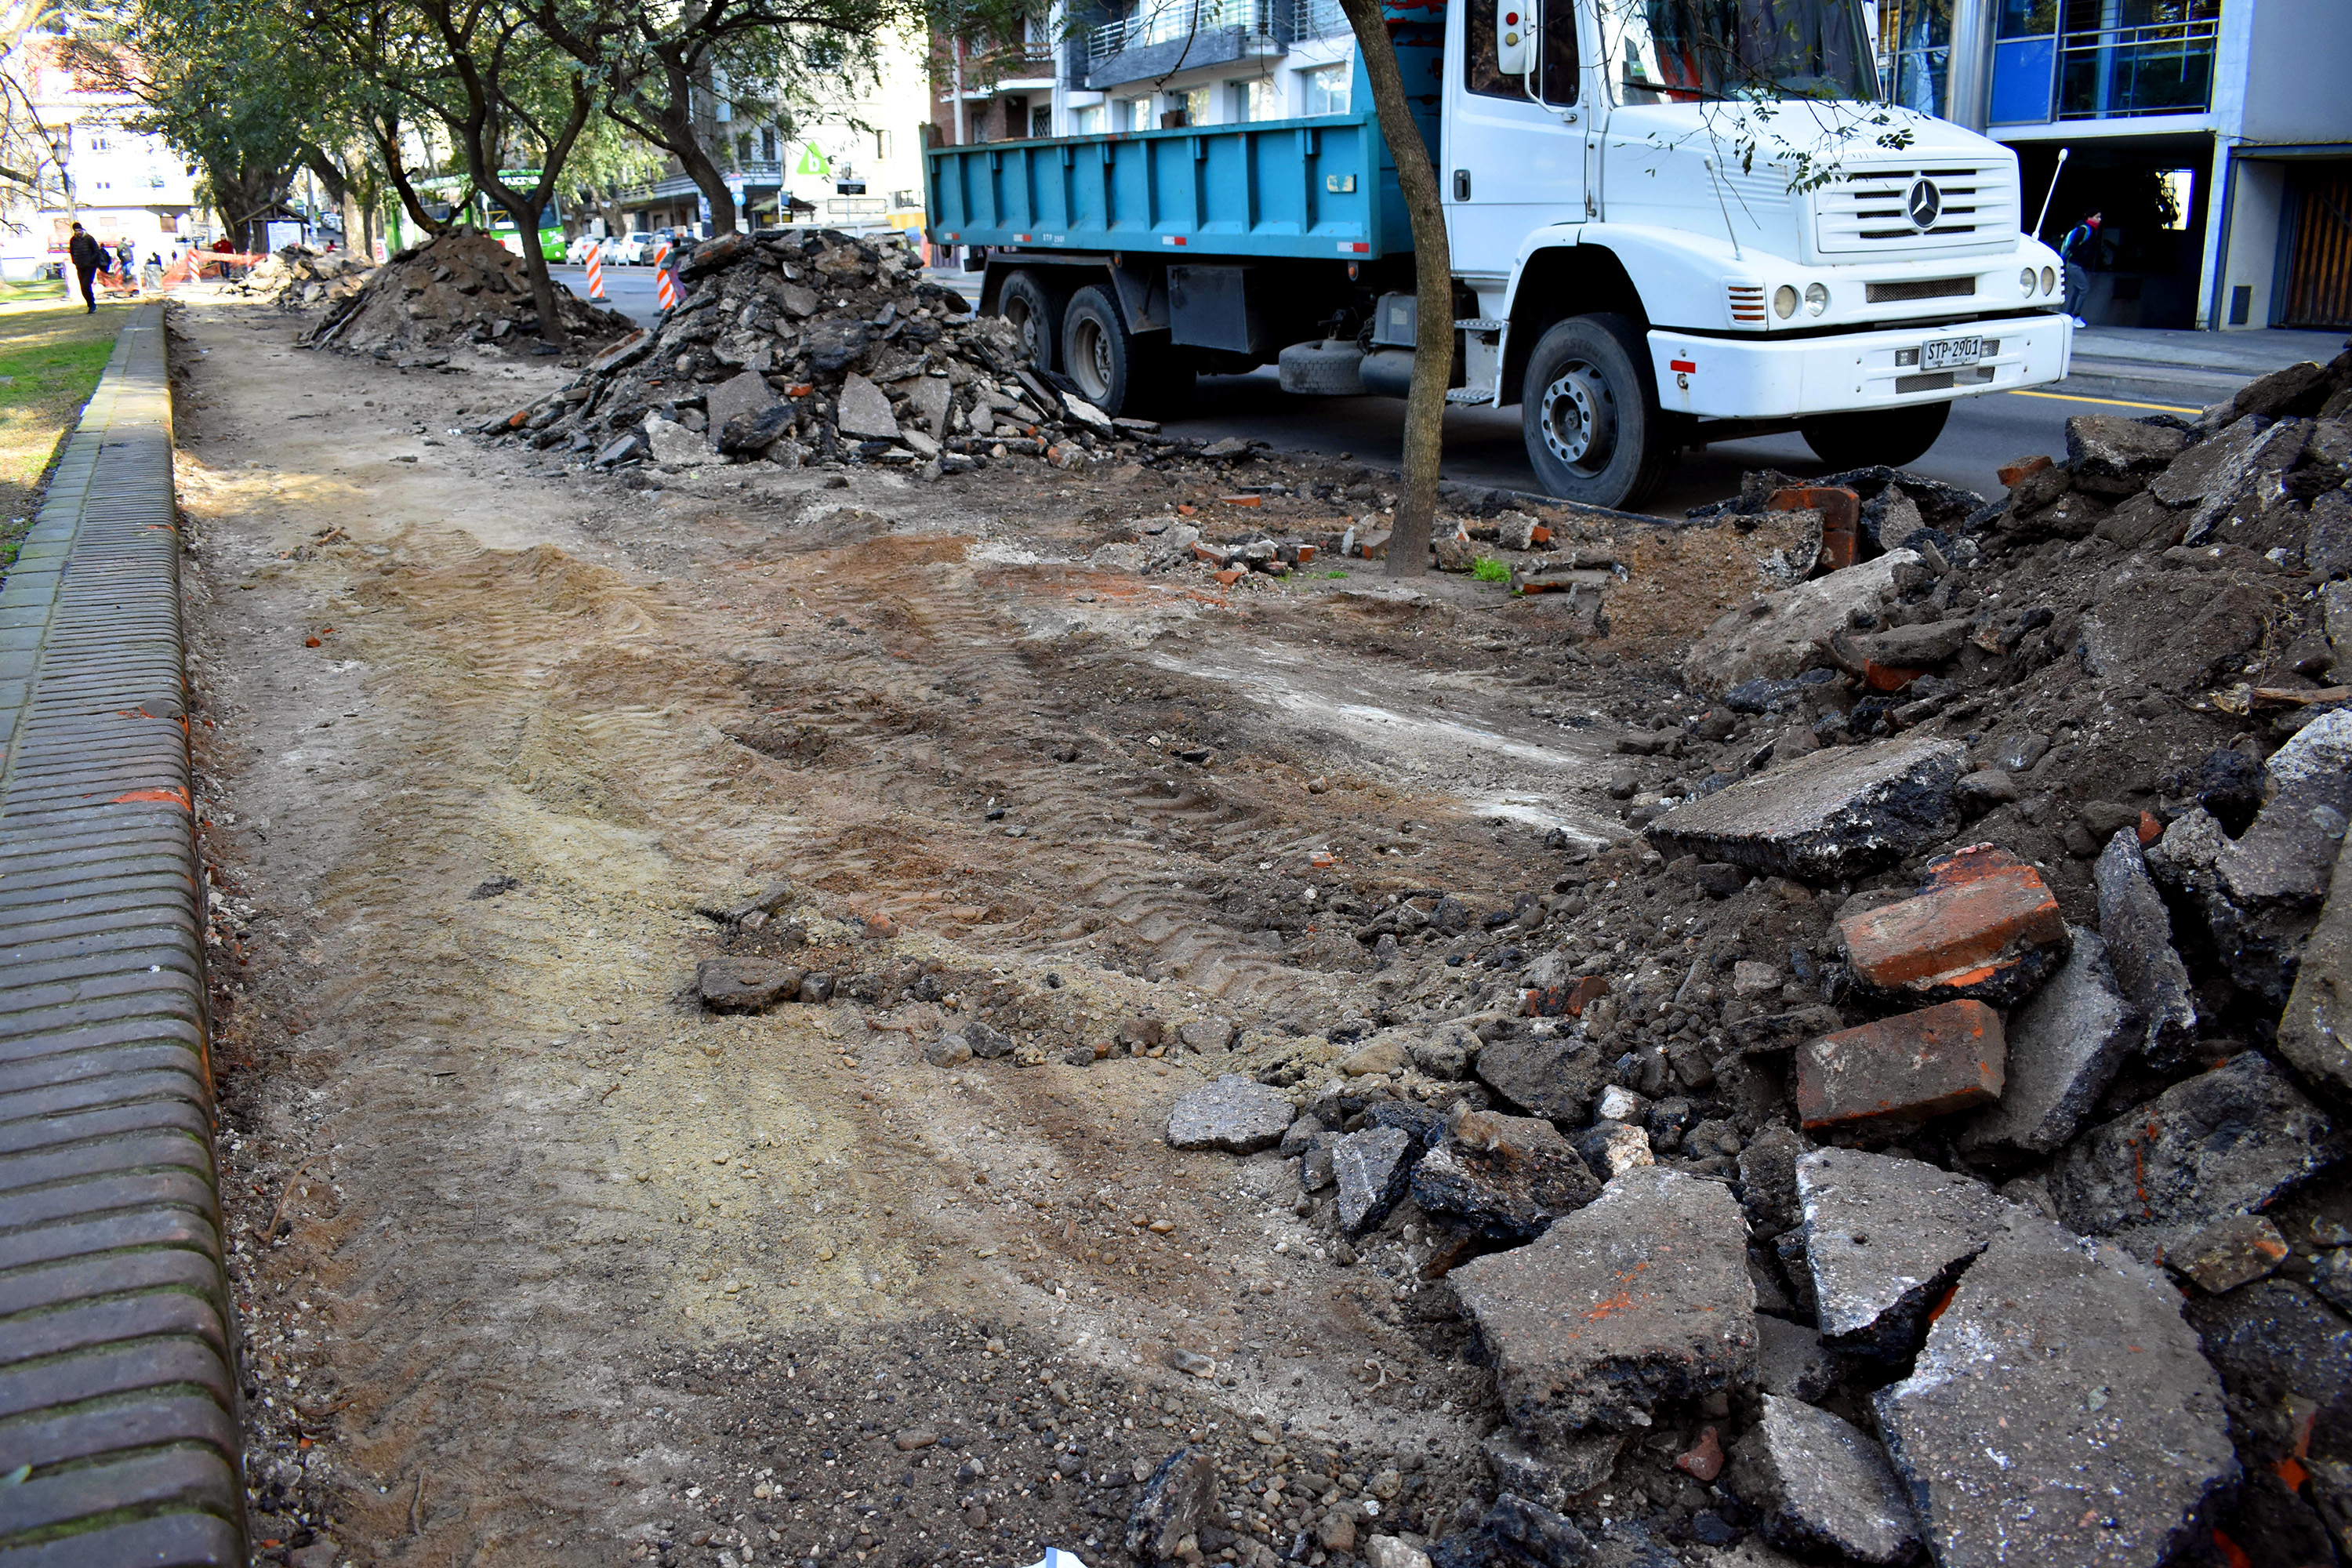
1926,1138
455,288
809,347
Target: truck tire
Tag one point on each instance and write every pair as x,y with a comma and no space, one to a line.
1026,303
1326,367
1890,436
1588,410
1116,370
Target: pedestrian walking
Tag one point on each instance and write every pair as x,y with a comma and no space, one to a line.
85,254
2081,245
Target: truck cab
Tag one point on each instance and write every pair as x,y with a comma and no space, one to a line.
1670,222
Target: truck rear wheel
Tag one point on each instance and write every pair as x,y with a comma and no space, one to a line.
1589,409
1115,370
1023,302
1890,436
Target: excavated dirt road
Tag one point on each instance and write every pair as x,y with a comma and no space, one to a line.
542,1263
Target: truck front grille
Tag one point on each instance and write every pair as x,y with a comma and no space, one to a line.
1919,288
1872,210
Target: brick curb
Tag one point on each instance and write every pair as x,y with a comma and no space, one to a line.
117,1381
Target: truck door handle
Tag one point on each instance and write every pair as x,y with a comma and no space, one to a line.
1461,184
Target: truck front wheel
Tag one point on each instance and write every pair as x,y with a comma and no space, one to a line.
1115,370
1023,302
1590,413
1890,436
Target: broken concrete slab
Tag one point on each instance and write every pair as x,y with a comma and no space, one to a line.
1826,816
1638,1298
744,984
1234,1113
1790,1360
2064,1046
1886,1075
2288,854
1506,1177
745,396
864,412
1553,1076
2234,1250
1550,1474
1985,927
1885,1238
2314,1032
1777,637
1374,1169
1821,1486
2259,945
928,400
2232,1141
672,445
2111,456
2060,1411
2137,931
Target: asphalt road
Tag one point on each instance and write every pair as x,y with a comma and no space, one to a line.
2117,370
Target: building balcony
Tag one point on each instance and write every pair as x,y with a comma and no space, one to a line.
2107,73
1164,36
1011,68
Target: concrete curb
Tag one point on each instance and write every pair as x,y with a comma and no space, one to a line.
118,1380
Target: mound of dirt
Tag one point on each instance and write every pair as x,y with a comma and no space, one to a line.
298,277
799,347
459,288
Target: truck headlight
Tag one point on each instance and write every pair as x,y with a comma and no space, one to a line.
1784,301
2025,282
1817,298
2050,281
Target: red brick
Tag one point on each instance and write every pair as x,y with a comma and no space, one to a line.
1230,575
1902,1069
2017,473
1243,500
2150,829
1985,927
1840,510
1568,1000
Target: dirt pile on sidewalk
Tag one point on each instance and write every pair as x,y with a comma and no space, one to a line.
459,288
797,347
297,277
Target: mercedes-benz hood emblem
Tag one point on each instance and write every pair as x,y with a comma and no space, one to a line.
1924,204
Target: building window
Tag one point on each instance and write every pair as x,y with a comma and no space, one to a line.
1041,122
881,144
1135,114
2124,57
98,143
1916,39
768,144
1086,121
1326,89
1256,99
1196,104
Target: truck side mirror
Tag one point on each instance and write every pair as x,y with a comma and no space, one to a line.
1515,25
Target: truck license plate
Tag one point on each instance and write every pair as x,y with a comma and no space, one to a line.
1951,353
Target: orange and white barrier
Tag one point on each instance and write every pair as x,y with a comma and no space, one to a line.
596,273
668,283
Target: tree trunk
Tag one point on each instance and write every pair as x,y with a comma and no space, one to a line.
395,169
672,124
1432,258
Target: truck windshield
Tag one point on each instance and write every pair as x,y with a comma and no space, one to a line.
1697,51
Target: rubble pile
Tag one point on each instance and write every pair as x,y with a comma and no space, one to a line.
298,277
1923,1132
457,287
1989,939
799,347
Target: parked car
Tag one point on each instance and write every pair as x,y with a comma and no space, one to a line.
576,253
632,249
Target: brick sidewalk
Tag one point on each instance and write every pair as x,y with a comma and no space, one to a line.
118,1383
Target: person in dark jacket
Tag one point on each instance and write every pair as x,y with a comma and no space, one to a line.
2080,247
86,255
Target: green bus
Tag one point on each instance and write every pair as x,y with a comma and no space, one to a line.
453,198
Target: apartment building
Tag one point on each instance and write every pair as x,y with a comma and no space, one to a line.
122,184
2215,137
1143,65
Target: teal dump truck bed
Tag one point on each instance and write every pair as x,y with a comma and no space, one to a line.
1320,189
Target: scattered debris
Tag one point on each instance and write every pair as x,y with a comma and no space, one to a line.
457,288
